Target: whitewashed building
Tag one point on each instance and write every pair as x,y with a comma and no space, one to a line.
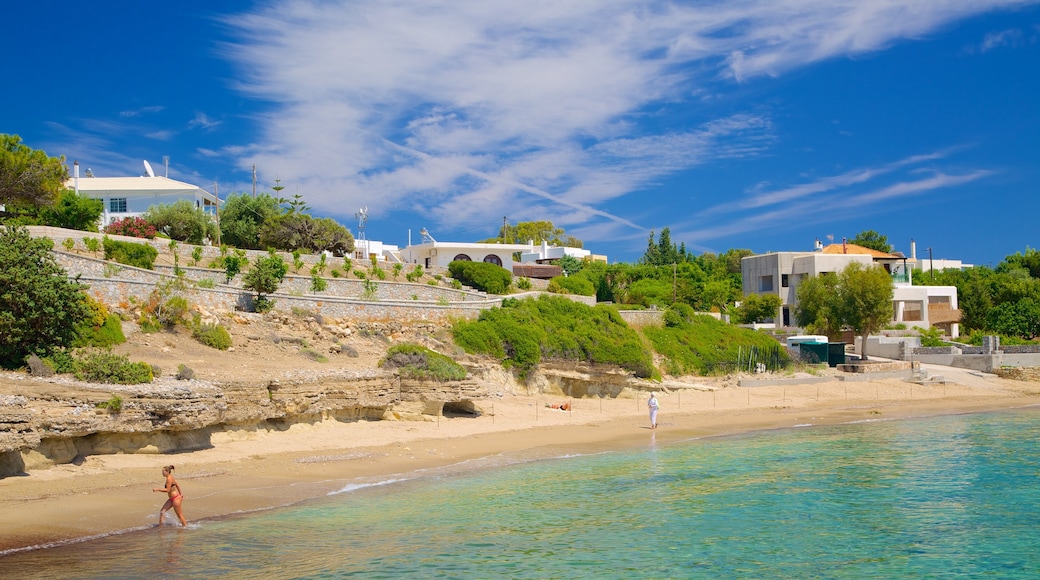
125,197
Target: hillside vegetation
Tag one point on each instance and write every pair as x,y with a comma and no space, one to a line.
700,344
525,332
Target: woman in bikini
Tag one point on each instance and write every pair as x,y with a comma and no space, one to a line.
173,489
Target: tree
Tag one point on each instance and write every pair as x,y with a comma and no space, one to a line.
242,216
296,231
758,308
29,175
1021,318
873,240
42,307
864,299
72,211
266,273
182,221
535,231
817,311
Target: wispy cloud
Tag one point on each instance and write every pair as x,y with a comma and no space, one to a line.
550,109
822,200
202,121
1011,37
141,111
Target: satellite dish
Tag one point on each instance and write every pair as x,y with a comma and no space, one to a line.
148,169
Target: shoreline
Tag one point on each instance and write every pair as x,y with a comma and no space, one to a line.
247,471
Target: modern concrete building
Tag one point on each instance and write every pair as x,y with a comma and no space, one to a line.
780,273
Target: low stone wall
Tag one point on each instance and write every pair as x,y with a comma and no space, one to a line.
642,317
1019,373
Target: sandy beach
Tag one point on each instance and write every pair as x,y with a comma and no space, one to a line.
255,470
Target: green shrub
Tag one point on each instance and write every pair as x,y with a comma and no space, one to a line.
212,335
318,284
129,253
108,334
524,332
114,404
107,367
571,285
524,283
483,276
700,344
931,337
418,362
40,305
61,361
206,283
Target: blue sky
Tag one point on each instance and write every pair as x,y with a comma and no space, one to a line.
760,124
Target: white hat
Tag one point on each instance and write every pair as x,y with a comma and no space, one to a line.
653,393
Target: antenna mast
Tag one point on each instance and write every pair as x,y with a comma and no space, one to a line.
362,218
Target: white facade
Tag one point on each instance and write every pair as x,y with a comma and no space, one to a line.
440,254
365,249
546,252
125,197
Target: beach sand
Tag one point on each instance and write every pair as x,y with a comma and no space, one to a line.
257,470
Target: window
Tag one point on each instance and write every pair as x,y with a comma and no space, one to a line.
765,284
462,258
117,205
784,281
493,259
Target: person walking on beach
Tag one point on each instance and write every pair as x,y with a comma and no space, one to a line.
653,406
173,489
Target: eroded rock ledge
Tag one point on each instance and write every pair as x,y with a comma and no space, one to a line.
59,420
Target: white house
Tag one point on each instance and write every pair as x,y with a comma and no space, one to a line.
433,253
780,273
125,197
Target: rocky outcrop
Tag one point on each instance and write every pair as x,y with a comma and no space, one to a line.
61,421
43,423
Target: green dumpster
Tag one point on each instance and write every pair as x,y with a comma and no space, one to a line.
835,353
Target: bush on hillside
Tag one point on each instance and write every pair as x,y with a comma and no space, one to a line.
418,362
129,253
107,367
481,275
524,332
108,334
571,285
39,305
212,335
703,345
131,226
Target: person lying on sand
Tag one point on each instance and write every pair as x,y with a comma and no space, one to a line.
563,406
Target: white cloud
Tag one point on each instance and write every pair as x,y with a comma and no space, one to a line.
1011,37
541,108
201,120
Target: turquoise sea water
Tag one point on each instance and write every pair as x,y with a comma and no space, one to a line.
955,496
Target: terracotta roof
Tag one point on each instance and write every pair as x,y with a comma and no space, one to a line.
857,249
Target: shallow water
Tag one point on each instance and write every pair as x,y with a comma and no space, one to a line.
935,497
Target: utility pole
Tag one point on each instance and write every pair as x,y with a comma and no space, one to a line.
931,264
254,180
216,194
505,229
